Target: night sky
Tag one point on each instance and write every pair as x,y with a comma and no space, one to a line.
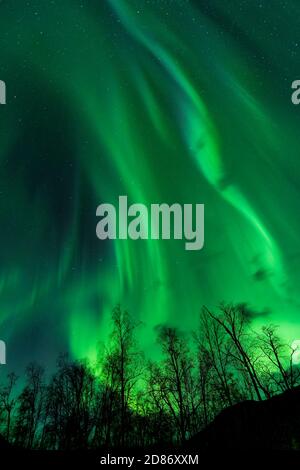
162,101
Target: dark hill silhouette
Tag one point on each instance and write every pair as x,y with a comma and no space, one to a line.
272,424
4,444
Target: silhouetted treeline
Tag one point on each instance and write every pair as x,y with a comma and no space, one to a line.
124,400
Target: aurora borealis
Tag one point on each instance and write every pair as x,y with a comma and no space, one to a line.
162,101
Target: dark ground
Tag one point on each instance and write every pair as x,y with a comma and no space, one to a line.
249,433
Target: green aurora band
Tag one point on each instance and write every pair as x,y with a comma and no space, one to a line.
163,101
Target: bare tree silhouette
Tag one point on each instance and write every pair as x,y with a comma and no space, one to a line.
125,400
7,404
